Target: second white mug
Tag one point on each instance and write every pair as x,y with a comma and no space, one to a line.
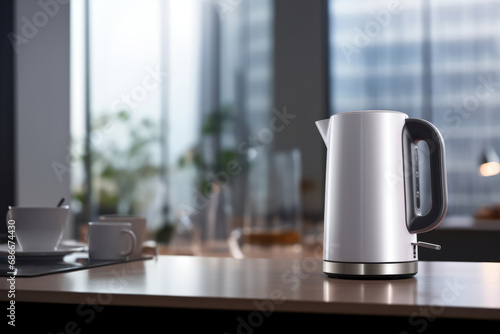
138,227
111,241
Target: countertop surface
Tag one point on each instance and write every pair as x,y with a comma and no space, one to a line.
447,289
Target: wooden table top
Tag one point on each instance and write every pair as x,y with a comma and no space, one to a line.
446,289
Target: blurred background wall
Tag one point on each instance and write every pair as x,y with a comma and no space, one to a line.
205,109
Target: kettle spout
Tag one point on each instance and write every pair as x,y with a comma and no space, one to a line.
323,129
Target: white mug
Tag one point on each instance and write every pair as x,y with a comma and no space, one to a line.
38,229
138,227
111,241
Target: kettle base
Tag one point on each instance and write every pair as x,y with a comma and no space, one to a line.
369,277
384,270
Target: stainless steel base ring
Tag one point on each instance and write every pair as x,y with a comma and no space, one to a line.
384,270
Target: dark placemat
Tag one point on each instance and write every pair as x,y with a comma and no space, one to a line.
39,267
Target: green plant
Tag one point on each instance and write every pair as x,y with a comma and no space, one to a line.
123,159
212,159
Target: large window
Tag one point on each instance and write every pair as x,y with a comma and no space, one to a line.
433,59
163,92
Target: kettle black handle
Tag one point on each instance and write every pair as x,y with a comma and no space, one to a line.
414,131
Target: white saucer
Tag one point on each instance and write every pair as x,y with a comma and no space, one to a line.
58,253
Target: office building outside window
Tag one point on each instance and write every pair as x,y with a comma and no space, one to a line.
437,60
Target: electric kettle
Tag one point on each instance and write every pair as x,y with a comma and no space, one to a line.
372,193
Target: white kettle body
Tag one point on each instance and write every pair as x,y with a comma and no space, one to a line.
372,198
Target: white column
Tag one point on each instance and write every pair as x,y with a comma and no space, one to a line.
42,44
